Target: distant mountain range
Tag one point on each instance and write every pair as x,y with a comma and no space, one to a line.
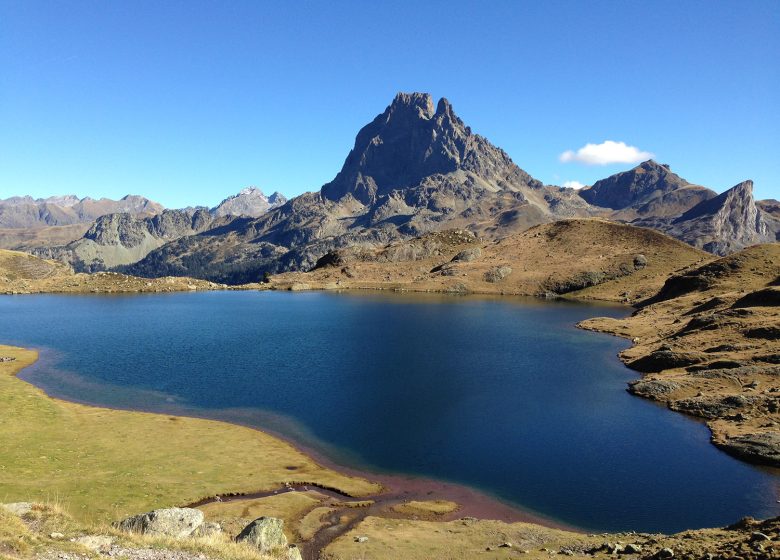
416,168
28,212
121,232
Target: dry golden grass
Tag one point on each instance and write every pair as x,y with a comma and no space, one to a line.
433,507
234,515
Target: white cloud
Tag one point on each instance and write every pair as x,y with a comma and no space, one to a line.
605,153
573,184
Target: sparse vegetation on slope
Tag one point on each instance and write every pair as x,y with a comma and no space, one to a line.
21,273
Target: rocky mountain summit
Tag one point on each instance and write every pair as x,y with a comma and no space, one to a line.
28,212
651,195
721,225
413,170
649,189
250,201
410,142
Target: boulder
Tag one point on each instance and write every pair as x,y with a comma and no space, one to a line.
265,533
294,553
172,522
95,543
208,529
497,274
18,508
468,255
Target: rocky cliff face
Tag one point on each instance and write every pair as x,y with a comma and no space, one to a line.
250,201
410,142
727,223
27,212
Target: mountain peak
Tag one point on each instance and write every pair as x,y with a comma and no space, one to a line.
420,104
647,180
409,142
249,201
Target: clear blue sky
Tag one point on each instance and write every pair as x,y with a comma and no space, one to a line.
187,102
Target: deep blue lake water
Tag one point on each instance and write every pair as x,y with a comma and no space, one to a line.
504,395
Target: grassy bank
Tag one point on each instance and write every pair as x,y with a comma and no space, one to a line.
103,464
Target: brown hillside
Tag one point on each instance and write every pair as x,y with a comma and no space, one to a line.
21,273
589,258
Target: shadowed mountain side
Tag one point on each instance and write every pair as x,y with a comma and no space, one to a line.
648,189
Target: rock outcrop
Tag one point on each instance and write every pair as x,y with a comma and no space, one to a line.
178,523
264,533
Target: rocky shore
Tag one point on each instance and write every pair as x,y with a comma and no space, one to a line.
43,532
708,344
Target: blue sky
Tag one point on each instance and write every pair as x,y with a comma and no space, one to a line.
188,102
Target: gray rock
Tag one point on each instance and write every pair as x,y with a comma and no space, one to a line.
361,539
265,533
18,508
664,554
172,522
468,255
293,552
497,274
95,543
762,447
208,529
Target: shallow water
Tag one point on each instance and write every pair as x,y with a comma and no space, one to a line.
504,395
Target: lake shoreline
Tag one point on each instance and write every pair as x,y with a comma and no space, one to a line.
396,488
